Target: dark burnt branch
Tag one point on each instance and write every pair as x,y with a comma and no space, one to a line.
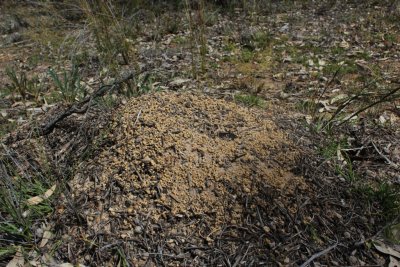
381,100
83,106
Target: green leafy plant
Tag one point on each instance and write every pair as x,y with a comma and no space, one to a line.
146,85
346,67
68,82
6,127
262,39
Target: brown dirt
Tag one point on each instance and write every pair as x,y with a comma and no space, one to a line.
180,164
187,155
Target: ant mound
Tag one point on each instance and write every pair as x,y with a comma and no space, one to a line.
176,156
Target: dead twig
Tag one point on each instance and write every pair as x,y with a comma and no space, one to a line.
83,106
326,88
319,254
383,99
137,117
391,163
349,101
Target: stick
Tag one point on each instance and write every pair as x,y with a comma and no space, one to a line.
383,99
83,106
391,163
319,254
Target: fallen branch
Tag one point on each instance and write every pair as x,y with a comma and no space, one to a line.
83,106
319,254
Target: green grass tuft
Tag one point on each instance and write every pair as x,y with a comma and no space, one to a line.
68,83
250,100
386,196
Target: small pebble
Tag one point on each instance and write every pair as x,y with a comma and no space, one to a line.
353,260
138,230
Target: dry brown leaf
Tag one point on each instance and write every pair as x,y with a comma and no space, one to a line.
18,260
47,235
344,45
308,119
393,262
49,192
385,249
340,156
34,200
38,199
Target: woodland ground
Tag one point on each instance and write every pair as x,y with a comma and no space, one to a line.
209,134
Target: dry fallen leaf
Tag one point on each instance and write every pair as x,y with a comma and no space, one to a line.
38,199
338,97
385,249
178,81
18,260
308,119
34,200
49,192
26,213
393,232
344,45
393,262
340,156
47,235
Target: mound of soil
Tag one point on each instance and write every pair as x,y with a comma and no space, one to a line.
172,157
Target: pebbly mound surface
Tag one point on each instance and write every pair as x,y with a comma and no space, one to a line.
175,157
